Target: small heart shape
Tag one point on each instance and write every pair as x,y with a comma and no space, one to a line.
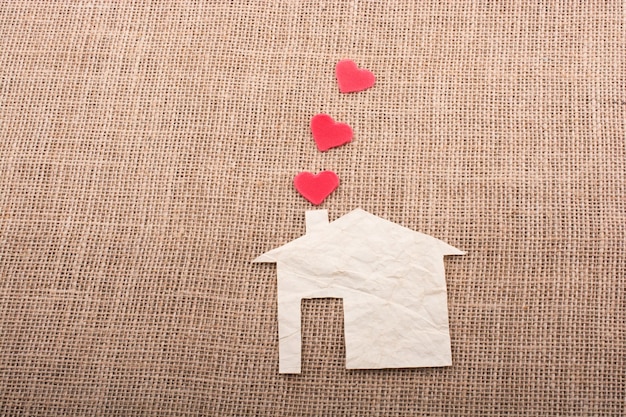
329,134
316,188
352,79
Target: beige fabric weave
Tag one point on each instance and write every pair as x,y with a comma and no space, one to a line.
146,157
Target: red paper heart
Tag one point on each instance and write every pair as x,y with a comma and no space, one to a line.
316,188
352,79
329,134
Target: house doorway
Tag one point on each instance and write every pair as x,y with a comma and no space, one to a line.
323,336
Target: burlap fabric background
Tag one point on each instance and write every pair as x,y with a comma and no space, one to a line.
146,157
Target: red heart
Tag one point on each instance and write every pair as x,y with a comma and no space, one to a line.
329,134
351,79
316,188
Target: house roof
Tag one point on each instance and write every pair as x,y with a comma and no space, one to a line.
355,228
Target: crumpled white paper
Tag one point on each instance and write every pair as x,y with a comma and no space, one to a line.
392,283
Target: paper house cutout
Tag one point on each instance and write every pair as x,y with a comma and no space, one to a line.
392,283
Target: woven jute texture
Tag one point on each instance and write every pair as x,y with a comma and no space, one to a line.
147,152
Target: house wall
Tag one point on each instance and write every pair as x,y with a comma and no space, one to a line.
395,307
